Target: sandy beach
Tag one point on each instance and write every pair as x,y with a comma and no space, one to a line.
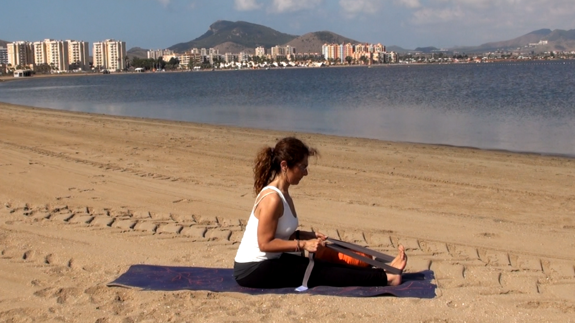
85,196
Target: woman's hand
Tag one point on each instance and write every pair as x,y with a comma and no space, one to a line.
312,244
320,236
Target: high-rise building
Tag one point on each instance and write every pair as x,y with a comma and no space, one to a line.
109,54
282,52
40,55
277,51
60,54
57,54
155,54
260,51
379,48
290,52
78,54
116,51
3,56
229,57
98,57
243,57
20,54
330,51
347,51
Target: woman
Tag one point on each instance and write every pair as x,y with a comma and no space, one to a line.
263,259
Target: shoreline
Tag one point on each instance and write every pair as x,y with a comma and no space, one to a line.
85,196
571,61
558,155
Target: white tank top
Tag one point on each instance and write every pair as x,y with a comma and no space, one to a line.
249,250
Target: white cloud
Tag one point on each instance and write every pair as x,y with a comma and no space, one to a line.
351,8
434,15
473,22
493,12
164,3
247,5
280,6
410,3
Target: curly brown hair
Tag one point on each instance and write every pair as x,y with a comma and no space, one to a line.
267,162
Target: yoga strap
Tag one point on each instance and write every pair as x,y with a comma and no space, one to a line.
308,270
379,261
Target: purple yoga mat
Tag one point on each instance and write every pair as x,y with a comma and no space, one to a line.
149,277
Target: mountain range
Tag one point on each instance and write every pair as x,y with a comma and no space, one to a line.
228,36
557,40
239,35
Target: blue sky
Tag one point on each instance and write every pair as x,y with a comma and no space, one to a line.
406,23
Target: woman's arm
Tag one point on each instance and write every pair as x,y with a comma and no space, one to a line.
268,213
308,235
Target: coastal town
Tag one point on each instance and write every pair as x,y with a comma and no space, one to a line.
24,58
62,56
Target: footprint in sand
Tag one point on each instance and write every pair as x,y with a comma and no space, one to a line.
182,200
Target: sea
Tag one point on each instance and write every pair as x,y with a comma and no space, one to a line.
514,106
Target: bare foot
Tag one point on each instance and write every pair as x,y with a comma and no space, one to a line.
399,262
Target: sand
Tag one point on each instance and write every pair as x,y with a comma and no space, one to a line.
85,196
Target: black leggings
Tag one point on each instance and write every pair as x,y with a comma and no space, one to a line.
288,271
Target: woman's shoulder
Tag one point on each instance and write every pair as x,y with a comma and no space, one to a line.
270,192
270,196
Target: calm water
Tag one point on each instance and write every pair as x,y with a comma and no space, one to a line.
526,107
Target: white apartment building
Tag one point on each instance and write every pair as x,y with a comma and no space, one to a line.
329,51
184,60
282,52
229,57
98,57
3,56
243,57
78,53
109,54
155,54
116,51
57,54
20,54
188,58
260,51
40,55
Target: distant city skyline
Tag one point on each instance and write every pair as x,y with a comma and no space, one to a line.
156,24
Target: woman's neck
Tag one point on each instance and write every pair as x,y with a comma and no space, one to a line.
282,184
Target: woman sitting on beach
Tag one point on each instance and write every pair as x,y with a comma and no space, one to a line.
263,259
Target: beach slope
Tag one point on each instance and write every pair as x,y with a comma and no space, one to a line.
85,196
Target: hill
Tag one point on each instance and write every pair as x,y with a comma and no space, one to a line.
557,40
234,37
532,37
239,34
312,42
429,49
3,43
137,52
396,49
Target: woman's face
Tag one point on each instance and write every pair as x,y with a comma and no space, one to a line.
298,171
